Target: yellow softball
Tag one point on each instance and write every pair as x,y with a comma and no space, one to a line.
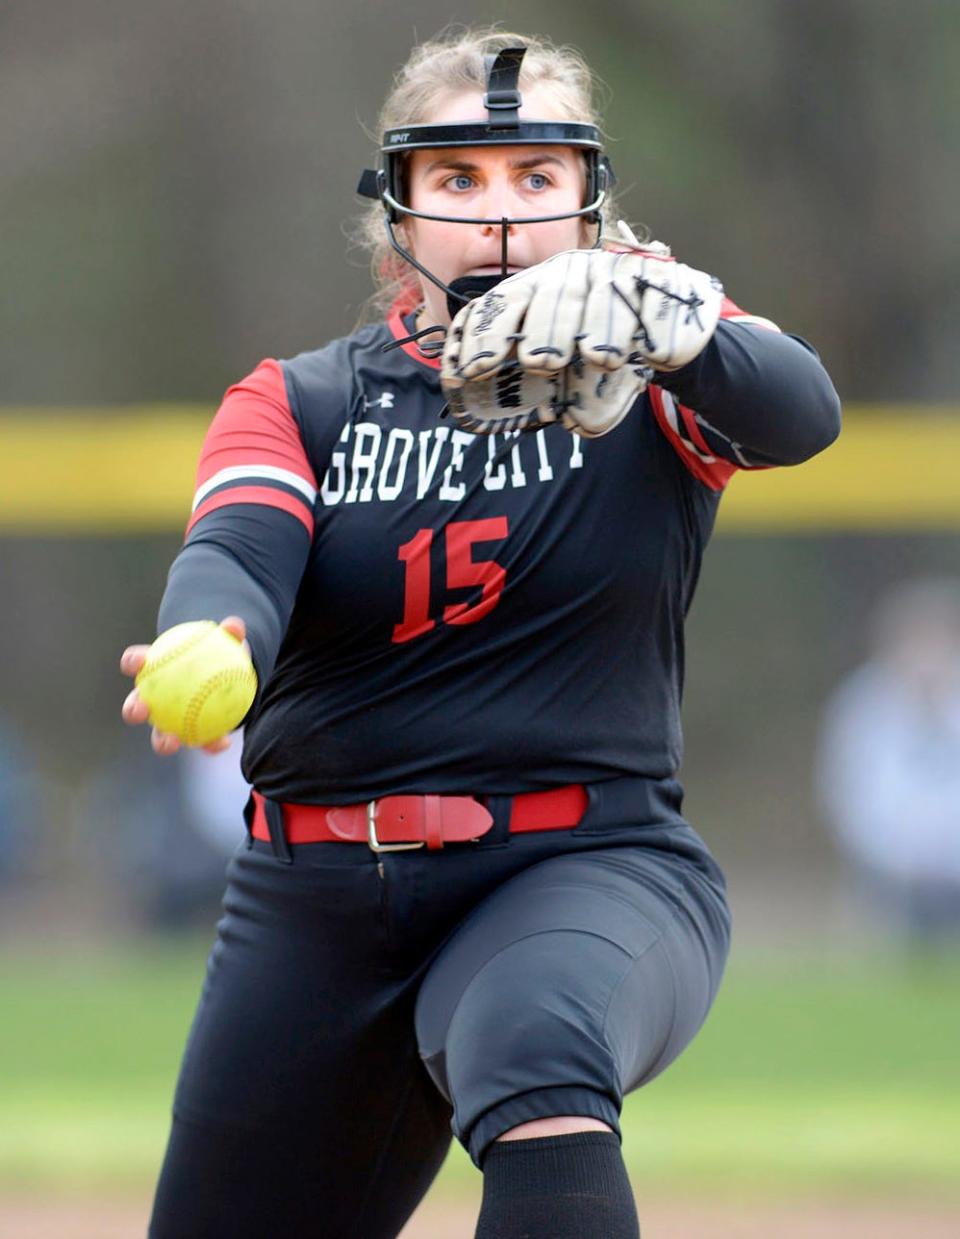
198,682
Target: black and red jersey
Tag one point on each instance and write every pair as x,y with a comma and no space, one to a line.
434,611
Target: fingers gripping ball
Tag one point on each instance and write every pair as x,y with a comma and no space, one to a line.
198,682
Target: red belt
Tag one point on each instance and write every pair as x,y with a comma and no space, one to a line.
415,821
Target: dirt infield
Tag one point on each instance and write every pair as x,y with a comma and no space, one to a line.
25,1217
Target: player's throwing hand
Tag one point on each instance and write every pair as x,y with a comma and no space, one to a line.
135,710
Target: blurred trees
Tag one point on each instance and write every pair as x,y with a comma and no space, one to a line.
177,176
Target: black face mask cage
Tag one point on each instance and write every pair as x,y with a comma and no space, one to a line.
502,127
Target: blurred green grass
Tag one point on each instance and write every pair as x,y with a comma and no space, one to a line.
813,1073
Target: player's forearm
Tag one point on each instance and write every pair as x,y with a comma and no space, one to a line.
207,582
764,392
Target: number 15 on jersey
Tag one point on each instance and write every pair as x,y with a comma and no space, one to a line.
463,570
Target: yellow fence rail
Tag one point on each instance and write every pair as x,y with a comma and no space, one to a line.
130,470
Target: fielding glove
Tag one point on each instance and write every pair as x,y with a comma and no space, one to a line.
596,324
587,401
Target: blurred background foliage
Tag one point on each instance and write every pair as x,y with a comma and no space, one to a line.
176,176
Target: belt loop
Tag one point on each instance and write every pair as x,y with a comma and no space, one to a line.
248,811
273,812
499,808
433,822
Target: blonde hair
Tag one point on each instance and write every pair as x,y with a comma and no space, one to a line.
452,64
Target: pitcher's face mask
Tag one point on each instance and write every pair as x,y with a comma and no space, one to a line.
503,127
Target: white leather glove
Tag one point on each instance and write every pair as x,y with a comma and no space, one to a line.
587,401
596,323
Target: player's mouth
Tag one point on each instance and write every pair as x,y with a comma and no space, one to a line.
493,269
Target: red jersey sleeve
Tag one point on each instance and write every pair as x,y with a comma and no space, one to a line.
253,452
679,423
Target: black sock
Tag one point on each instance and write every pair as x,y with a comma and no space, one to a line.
557,1187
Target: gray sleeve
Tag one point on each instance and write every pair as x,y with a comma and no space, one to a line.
248,562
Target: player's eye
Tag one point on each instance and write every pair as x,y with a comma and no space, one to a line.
460,182
538,180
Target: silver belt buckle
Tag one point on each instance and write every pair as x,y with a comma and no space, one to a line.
374,843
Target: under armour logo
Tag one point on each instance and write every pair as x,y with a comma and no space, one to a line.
383,401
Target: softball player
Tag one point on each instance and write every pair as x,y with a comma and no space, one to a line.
468,899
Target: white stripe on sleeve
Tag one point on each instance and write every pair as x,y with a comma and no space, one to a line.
670,410
757,320
251,473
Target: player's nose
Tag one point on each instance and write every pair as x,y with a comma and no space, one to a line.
499,201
